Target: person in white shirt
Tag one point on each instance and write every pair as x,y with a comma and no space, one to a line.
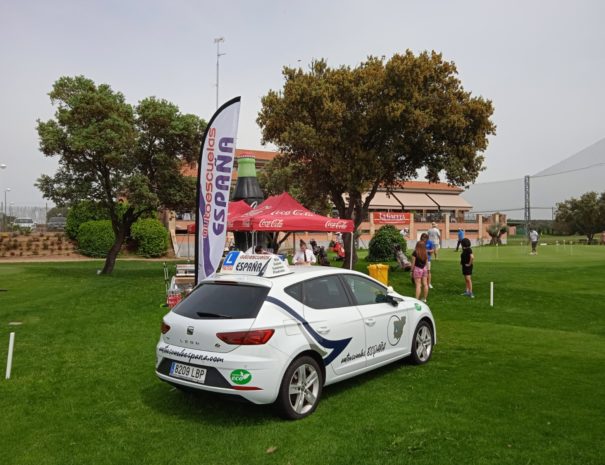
435,238
304,256
533,237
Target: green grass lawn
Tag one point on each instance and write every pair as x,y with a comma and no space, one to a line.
520,383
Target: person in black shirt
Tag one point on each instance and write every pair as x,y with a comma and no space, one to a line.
466,261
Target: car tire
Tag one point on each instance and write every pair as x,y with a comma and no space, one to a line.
422,343
300,389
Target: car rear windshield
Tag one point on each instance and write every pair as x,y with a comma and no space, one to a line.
223,300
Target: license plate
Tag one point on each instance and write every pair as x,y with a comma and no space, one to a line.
195,374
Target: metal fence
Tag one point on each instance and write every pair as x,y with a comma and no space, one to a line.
9,212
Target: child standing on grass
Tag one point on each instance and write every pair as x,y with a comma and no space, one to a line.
466,261
419,269
430,250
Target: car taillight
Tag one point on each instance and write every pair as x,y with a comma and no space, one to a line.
247,338
164,328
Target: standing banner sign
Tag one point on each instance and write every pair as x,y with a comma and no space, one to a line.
214,182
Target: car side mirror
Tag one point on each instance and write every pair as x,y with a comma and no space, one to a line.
393,299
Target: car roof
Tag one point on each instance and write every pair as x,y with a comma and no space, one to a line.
297,274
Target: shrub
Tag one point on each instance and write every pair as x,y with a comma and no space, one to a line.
95,238
81,213
382,244
151,237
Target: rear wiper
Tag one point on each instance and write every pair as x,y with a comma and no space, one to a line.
212,315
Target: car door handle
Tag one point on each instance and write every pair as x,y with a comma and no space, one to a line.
323,330
370,322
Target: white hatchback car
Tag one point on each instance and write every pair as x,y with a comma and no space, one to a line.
268,333
24,223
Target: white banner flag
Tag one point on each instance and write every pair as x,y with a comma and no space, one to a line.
214,182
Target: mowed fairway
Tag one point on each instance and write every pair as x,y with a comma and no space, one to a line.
520,383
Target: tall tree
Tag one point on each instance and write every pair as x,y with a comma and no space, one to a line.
278,177
125,158
585,215
348,131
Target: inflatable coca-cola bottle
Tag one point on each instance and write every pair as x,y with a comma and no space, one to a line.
247,189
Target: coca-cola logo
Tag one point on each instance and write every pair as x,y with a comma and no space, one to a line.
336,224
269,224
291,213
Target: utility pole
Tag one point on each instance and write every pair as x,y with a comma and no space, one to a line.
218,42
527,206
3,226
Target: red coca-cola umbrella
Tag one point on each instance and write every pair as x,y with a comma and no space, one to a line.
283,213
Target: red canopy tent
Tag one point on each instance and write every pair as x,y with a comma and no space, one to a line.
236,209
283,213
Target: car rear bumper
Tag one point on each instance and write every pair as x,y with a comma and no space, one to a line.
265,368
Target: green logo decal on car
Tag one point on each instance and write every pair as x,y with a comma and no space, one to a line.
418,307
241,376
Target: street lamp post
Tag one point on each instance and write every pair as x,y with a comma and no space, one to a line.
218,42
8,189
3,167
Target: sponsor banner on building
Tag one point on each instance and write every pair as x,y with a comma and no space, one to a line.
391,218
214,182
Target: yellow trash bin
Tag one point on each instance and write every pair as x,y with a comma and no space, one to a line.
380,272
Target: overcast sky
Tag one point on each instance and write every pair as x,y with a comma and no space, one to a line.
542,63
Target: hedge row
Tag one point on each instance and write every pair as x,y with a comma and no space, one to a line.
151,237
96,237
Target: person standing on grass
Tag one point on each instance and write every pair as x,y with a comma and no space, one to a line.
534,237
460,237
435,237
304,256
419,269
466,261
430,249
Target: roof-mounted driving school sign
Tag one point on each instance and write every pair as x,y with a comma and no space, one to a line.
266,265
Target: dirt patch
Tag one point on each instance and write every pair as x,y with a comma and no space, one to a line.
51,247
37,245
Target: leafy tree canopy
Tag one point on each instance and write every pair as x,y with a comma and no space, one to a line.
111,152
348,131
279,176
585,215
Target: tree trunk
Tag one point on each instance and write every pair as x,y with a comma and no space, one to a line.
590,237
110,261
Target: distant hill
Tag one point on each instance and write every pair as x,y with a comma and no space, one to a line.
572,177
